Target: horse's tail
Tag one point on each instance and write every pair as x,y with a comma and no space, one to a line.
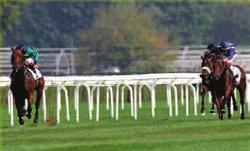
244,80
243,77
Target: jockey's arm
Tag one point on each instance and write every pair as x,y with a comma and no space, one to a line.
232,54
35,55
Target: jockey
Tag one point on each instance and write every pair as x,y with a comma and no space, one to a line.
30,54
228,52
211,48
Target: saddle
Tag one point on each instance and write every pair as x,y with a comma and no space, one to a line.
236,73
35,72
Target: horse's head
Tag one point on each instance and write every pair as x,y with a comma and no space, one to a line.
207,64
17,59
219,67
212,66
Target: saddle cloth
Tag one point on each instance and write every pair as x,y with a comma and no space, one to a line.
236,71
36,75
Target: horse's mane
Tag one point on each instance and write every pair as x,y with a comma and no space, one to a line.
216,58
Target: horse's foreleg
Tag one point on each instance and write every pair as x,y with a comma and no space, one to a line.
212,108
226,99
221,107
29,106
218,108
203,101
19,102
37,104
215,100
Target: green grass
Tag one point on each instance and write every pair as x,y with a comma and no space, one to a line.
146,133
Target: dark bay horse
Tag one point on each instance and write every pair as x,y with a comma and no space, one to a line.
222,83
206,87
23,85
205,84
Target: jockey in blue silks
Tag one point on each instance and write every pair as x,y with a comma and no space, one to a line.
228,51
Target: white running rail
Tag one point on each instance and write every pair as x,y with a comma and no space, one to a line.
187,82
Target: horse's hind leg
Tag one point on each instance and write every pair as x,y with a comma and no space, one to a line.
242,97
235,107
229,115
37,104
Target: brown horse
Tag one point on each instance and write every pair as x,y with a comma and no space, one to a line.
23,85
222,83
205,84
206,87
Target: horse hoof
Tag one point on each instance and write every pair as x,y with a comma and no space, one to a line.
212,111
28,116
203,114
36,120
236,108
23,112
223,111
229,117
242,117
21,121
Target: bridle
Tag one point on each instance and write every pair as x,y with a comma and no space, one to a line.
211,62
17,68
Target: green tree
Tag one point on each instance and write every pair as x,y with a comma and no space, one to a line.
126,36
52,24
9,16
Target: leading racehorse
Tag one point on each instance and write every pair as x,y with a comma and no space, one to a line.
206,87
23,85
221,83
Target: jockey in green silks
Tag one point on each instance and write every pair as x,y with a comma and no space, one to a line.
30,54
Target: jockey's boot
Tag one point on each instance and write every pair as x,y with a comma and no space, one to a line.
235,82
32,67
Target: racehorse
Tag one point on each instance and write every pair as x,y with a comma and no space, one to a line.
222,83
23,85
206,87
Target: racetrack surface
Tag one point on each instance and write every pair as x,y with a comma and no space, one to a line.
146,133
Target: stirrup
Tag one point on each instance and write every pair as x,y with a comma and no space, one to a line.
236,76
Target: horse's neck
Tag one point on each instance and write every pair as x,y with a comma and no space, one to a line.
19,75
221,68
226,70
22,73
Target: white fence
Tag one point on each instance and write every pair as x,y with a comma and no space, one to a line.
53,61
188,82
189,59
61,61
